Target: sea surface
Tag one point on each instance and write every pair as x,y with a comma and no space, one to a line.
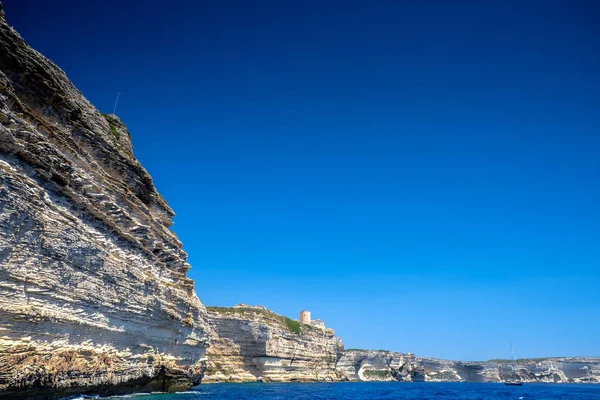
378,391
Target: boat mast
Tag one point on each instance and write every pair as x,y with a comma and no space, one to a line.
514,359
512,353
513,381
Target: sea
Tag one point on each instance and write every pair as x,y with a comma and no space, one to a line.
378,391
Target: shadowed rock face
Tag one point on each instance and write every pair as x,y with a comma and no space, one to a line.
252,343
93,289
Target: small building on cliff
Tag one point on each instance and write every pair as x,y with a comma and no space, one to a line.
317,323
305,317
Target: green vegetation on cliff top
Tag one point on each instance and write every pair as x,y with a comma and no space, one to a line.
381,350
111,123
293,326
264,314
521,360
247,311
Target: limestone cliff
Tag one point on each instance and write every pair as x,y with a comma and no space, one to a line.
378,365
252,343
93,289
382,365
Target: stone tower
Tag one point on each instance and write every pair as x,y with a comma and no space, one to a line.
305,317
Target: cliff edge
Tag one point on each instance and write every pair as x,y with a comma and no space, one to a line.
252,343
93,289
382,365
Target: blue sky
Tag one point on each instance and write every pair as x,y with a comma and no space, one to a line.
421,175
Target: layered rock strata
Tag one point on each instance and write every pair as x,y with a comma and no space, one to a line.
366,365
93,289
379,365
252,343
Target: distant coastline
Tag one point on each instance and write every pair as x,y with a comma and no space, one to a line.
254,344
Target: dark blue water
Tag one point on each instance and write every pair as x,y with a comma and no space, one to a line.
380,391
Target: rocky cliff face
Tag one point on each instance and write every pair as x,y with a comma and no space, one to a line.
93,288
379,365
365,365
252,343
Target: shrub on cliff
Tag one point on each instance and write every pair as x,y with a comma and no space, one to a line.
293,326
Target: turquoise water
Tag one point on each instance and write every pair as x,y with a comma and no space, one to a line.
380,391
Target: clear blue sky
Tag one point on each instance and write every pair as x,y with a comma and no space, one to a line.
424,175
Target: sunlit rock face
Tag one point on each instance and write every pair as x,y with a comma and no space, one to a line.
379,365
252,343
93,288
369,365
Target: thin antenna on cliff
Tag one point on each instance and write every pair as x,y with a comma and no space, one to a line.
116,102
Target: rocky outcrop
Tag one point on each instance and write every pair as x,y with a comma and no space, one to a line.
94,296
365,365
93,289
251,343
551,370
379,365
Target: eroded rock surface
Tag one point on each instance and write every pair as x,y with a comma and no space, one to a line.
368,365
252,343
93,288
378,365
